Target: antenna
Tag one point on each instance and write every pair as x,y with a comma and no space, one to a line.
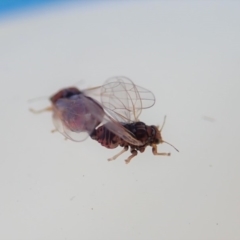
171,145
37,99
164,120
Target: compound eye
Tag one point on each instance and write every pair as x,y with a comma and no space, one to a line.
153,131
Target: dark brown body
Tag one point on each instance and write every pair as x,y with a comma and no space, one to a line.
147,135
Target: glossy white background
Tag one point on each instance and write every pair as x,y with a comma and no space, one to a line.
188,54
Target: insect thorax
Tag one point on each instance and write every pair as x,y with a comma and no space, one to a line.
148,135
64,93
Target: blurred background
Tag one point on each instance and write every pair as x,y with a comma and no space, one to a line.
188,54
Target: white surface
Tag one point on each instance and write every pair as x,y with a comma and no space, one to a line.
188,54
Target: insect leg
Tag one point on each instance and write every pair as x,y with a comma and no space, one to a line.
117,155
154,150
134,153
41,110
141,149
55,130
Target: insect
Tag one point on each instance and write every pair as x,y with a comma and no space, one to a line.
112,123
76,115
124,101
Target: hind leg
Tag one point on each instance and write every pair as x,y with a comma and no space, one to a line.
117,155
134,153
41,110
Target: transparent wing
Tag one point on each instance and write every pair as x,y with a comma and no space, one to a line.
59,125
74,118
124,100
111,123
118,129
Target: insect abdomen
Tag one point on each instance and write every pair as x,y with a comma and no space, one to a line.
105,137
